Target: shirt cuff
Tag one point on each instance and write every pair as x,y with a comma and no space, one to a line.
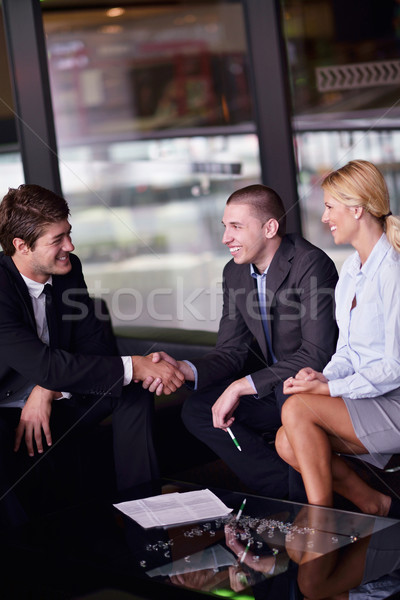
128,369
250,380
338,387
196,376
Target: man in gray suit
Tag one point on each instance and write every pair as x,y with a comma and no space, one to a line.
278,316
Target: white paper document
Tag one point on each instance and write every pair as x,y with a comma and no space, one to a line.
175,508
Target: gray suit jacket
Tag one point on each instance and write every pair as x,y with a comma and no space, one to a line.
300,305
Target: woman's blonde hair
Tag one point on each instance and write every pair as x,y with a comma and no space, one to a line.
360,183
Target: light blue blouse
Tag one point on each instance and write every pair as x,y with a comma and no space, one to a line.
366,363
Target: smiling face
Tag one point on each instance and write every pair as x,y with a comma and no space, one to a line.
245,236
342,220
50,254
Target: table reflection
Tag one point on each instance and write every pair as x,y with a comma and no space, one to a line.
278,550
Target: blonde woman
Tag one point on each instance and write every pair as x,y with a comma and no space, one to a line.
353,406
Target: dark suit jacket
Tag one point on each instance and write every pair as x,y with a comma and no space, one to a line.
300,305
82,364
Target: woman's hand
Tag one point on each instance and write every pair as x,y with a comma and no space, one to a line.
299,386
308,374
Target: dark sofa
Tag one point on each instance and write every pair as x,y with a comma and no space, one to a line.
177,449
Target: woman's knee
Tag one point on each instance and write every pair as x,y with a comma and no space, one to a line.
293,410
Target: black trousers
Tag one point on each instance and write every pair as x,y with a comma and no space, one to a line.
72,420
258,465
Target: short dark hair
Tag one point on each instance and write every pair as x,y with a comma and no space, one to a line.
25,212
264,202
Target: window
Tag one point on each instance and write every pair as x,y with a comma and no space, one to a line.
345,76
155,130
11,172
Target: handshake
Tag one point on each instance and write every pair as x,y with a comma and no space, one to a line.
160,373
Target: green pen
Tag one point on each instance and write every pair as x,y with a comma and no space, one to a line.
245,552
241,509
234,439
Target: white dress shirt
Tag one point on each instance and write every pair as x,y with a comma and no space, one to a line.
366,363
38,298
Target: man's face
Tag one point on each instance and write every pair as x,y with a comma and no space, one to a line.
50,255
245,236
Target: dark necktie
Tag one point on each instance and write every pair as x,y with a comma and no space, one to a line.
51,316
262,295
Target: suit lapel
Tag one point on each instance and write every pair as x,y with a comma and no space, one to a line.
20,287
64,324
277,273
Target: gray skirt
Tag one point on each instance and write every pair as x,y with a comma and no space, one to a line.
376,422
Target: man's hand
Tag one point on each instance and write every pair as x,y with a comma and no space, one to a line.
228,402
180,364
35,417
239,579
298,386
155,384
159,373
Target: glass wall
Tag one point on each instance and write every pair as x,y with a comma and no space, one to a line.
11,172
345,80
155,130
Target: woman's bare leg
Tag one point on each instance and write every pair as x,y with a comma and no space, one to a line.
307,444
345,480
306,427
348,484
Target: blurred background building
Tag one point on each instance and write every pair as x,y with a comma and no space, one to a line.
147,115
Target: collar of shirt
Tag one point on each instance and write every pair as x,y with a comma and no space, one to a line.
35,288
257,275
373,262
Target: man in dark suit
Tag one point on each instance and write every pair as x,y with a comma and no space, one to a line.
279,309
58,369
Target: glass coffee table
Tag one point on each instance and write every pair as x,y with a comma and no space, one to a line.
273,549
